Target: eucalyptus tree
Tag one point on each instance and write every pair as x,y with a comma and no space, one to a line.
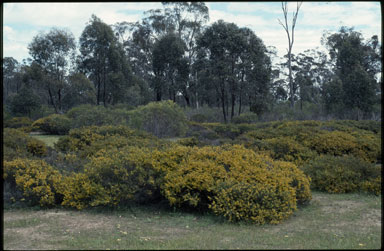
10,83
236,61
103,60
169,66
54,52
291,38
357,63
184,19
311,70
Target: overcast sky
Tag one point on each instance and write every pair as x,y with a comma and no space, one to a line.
23,21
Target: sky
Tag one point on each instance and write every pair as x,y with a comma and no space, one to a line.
23,21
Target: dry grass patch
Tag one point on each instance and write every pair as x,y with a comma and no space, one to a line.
351,221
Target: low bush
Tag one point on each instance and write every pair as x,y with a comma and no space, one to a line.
288,149
56,124
90,115
245,118
87,141
38,181
162,119
200,118
233,182
19,144
343,174
18,122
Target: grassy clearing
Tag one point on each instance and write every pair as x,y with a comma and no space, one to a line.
348,221
49,140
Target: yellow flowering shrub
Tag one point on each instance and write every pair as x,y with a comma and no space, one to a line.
288,149
80,192
125,174
23,123
36,147
87,141
19,144
259,203
343,174
335,143
38,181
232,181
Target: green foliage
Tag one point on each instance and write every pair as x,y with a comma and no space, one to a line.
86,141
247,118
190,141
23,123
162,119
300,141
53,124
19,144
24,102
38,181
343,174
288,149
199,117
88,115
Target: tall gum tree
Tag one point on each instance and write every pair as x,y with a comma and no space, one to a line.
291,38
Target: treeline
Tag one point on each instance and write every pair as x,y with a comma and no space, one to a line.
173,54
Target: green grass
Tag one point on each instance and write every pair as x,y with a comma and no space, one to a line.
330,221
49,140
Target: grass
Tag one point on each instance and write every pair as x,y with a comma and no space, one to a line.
330,221
49,140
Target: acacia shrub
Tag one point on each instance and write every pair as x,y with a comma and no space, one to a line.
343,174
201,178
86,141
23,123
57,124
16,143
38,181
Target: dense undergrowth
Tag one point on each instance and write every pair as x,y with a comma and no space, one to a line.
258,172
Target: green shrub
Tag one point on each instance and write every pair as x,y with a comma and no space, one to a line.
162,119
245,118
89,115
190,141
53,124
201,132
38,181
18,122
19,144
230,131
200,118
87,141
343,174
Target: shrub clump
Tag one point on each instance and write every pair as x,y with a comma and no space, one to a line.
19,144
233,182
162,119
38,181
90,115
53,124
86,141
19,122
343,174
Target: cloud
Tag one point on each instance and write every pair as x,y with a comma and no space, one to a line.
22,21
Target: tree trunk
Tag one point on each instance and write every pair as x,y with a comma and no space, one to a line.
233,99
104,91
51,100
